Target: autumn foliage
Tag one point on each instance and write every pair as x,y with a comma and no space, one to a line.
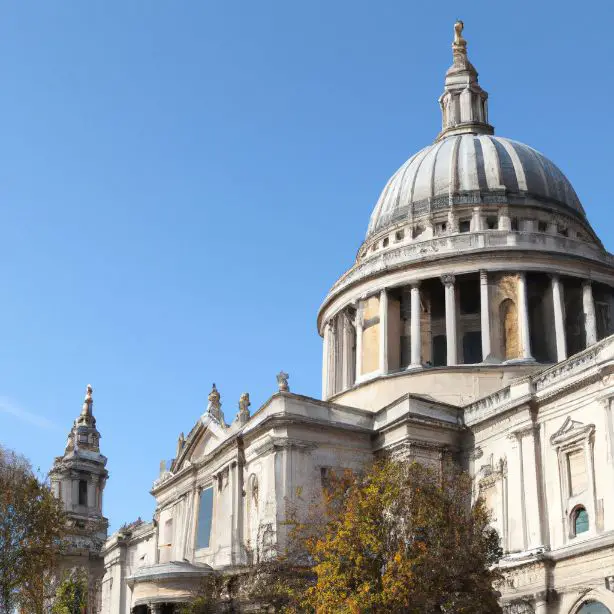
401,538
31,529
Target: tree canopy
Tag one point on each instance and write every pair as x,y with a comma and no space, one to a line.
31,529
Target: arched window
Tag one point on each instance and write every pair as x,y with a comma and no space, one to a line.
508,318
580,520
593,607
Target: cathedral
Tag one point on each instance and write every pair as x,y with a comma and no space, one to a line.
474,326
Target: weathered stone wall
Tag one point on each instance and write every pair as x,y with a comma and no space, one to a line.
370,335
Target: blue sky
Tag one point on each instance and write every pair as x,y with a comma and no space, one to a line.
181,183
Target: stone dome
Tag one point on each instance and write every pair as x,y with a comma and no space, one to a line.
471,169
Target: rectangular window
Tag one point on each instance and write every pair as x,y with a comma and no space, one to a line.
578,480
205,513
82,492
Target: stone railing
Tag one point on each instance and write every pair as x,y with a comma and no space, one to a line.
469,242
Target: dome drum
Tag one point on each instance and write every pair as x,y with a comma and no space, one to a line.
491,319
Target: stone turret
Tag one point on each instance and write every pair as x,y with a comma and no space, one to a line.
78,478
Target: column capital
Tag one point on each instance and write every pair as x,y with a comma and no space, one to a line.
448,279
483,276
587,282
415,284
554,276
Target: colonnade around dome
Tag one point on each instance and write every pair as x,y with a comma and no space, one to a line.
476,318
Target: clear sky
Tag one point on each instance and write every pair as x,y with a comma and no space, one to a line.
181,183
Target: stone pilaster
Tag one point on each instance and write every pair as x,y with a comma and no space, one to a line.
523,316
484,315
450,297
383,332
416,340
359,326
559,317
588,305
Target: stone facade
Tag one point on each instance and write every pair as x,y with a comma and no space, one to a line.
476,326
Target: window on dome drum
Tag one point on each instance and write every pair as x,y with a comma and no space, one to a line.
385,242
491,222
472,347
563,231
464,225
593,607
514,223
82,492
400,234
580,521
542,226
205,514
440,358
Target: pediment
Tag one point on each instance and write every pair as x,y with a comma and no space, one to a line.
203,439
571,430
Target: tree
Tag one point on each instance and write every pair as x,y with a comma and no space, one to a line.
72,593
402,538
396,538
31,529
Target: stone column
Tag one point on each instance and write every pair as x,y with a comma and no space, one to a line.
452,353
347,352
559,318
416,340
358,327
590,322
325,357
523,316
484,315
383,331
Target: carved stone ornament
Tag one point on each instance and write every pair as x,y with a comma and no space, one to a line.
214,408
282,382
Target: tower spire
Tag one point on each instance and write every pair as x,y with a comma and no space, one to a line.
464,107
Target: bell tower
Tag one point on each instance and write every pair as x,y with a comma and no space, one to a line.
78,479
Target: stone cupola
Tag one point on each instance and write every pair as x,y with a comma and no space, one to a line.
464,105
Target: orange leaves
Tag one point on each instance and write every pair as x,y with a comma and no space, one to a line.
401,538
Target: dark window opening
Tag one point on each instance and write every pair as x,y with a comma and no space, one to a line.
472,347
385,242
469,298
464,226
82,492
514,223
440,357
563,231
399,235
542,226
491,223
